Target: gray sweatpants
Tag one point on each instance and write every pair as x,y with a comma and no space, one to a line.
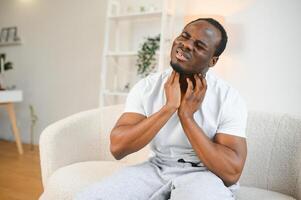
157,180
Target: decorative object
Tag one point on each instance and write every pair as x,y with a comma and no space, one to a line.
142,9
127,87
129,10
152,8
146,61
3,67
9,34
34,119
12,87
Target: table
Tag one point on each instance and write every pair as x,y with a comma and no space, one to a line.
8,98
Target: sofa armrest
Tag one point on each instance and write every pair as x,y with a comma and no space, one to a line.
70,140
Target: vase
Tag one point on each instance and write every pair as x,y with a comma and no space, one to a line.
2,84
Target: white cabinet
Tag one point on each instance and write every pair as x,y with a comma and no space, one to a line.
128,24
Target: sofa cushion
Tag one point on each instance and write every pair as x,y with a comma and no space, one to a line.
251,193
67,181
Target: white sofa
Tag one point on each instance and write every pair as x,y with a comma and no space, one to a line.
75,153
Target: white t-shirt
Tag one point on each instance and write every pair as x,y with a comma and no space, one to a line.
222,111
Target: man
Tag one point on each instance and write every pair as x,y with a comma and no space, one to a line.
195,124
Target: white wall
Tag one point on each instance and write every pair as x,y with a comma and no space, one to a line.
58,65
262,59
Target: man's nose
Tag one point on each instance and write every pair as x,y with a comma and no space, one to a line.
188,44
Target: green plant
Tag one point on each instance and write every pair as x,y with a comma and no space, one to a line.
146,61
4,65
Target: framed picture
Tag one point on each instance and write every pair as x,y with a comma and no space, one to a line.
9,34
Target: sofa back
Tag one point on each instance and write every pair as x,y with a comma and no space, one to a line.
274,150
274,153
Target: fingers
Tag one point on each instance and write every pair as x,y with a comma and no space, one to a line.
198,83
176,78
171,77
204,82
189,90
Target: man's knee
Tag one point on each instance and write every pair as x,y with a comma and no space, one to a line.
131,182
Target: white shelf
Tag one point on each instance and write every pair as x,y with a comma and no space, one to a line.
137,15
2,44
126,53
115,93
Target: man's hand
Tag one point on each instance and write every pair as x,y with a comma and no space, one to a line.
193,97
173,91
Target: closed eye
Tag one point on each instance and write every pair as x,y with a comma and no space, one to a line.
200,45
185,35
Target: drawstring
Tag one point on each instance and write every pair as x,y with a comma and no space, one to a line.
192,163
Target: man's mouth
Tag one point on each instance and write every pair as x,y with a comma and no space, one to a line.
181,55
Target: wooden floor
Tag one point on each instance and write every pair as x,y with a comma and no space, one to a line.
20,175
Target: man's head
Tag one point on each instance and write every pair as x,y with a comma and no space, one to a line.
198,47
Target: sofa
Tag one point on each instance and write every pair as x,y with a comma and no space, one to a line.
74,153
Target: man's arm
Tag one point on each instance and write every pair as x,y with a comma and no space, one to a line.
224,156
133,131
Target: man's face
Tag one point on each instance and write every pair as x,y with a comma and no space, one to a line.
193,50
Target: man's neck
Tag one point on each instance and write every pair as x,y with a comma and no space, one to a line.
183,82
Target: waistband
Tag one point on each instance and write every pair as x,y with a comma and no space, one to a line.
176,162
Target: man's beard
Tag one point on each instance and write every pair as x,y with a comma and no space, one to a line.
179,69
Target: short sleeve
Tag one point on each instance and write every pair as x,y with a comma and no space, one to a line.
233,118
134,101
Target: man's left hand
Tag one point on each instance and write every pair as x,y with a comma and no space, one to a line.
193,97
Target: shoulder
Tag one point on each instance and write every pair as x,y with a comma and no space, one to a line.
158,76
222,88
152,80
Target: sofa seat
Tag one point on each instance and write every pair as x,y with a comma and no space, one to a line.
251,193
68,181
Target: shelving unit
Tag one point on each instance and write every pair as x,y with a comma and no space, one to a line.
128,53
116,93
3,44
124,32
136,15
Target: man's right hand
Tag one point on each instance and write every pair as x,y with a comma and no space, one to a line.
173,91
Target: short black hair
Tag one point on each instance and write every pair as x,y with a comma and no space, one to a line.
222,45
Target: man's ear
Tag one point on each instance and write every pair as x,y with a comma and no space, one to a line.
213,61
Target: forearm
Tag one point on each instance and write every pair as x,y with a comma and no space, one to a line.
218,158
126,139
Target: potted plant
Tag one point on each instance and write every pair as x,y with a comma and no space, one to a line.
4,66
146,61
